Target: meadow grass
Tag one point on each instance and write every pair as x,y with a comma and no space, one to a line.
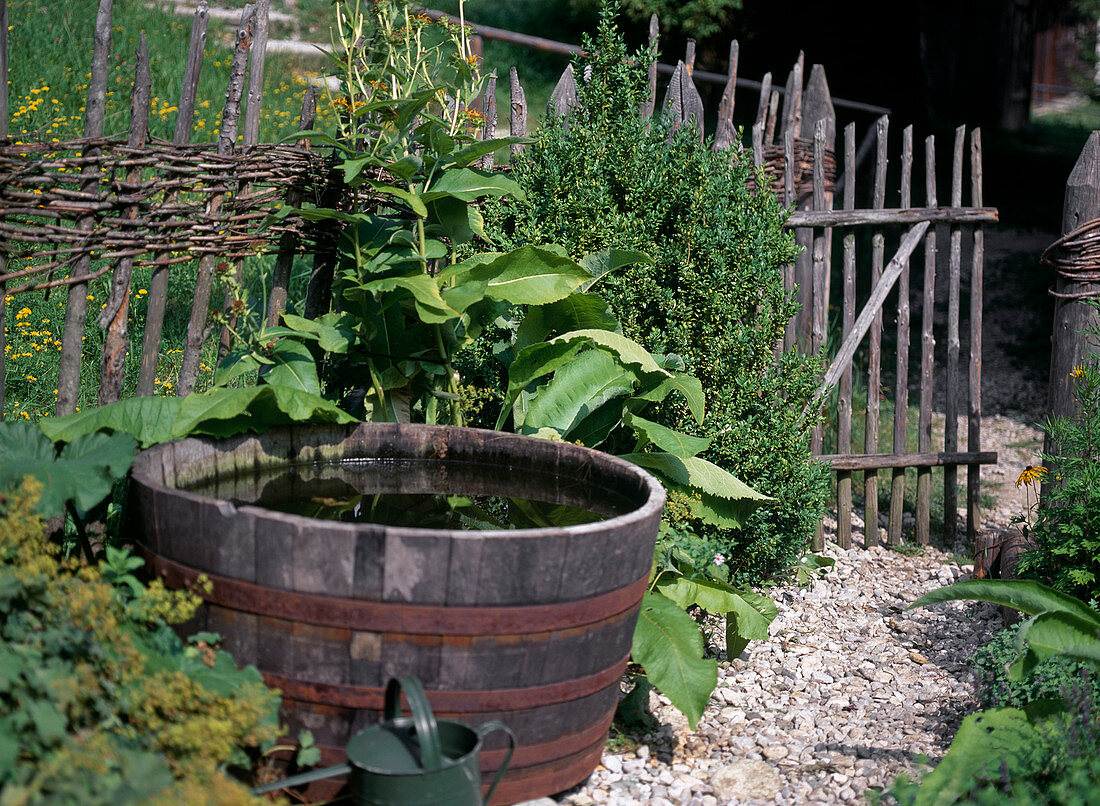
50,56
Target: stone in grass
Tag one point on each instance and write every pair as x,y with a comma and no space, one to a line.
746,778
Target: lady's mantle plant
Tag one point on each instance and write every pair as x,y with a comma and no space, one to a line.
100,701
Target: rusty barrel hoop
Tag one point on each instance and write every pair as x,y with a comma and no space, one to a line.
530,627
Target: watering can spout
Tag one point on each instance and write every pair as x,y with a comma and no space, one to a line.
304,778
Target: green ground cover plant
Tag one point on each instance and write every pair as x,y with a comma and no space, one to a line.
605,179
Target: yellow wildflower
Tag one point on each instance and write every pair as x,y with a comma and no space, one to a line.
1078,372
1033,474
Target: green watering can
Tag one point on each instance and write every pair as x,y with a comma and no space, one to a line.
411,761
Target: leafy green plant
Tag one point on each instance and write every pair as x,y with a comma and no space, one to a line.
1066,528
603,179
100,701
1059,625
592,385
406,304
1049,677
82,472
1022,751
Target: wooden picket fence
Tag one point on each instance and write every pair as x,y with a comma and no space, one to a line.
792,138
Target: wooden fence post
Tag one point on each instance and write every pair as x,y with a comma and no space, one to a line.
927,350
227,141
158,283
564,96
115,316
256,74
874,362
288,242
951,407
762,107
974,415
901,373
817,107
76,308
250,136
848,311
3,259
517,124
1072,317
489,128
726,133
682,100
821,201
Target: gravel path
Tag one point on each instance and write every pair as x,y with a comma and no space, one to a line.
847,694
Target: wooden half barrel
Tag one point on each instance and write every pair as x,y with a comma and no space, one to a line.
529,627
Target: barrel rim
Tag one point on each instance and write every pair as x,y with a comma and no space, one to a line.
653,504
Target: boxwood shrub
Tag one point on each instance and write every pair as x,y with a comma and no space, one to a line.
603,178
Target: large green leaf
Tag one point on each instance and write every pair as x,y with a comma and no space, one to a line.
425,292
597,264
225,412
530,275
598,425
668,644
1029,597
577,390
477,150
674,442
533,363
293,367
236,364
147,419
687,385
575,312
714,495
754,613
1054,633
83,473
410,199
628,352
468,184
999,744
333,331
698,474
459,220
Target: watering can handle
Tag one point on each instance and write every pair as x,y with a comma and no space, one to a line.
427,732
488,728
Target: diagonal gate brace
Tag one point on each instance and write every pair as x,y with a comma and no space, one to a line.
862,324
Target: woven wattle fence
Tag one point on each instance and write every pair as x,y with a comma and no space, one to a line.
162,218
